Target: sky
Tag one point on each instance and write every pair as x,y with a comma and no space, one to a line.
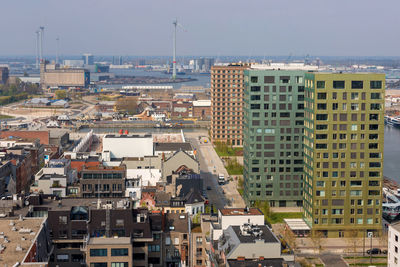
212,27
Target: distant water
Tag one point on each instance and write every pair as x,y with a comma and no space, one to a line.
201,79
391,165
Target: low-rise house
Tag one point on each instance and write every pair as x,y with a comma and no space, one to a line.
50,184
182,109
250,242
7,179
178,161
102,181
147,169
202,109
235,217
176,236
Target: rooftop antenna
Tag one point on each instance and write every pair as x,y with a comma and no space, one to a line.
41,28
37,48
58,49
175,23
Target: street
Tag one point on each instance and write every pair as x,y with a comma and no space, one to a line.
210,166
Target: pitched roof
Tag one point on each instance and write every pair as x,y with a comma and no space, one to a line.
193,197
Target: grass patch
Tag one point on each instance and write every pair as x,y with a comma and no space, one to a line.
225,150
2,117
240,190
319,265
277,217
233,167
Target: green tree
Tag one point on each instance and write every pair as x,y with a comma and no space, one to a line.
61,94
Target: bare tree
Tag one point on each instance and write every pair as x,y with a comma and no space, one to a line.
352,242
290,238
317,239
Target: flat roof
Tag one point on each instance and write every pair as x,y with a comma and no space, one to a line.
266,235
128,136
173,146
296,224
24,238
240,211
110,241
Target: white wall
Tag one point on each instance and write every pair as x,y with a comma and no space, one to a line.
121,147
199,207
149,176
234,220
393,256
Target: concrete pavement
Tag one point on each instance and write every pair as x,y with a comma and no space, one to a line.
332,260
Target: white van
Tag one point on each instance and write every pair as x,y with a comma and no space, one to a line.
221,179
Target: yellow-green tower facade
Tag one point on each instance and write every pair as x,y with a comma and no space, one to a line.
343,152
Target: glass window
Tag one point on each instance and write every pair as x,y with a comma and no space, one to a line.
102,252
119,252
320,84
119,264
357,84
376,84
338,84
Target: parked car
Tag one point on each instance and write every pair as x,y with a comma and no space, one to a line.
208,187
374,251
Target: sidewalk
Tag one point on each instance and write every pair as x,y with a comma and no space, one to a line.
337,245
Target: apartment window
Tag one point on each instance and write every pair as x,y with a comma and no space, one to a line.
62,219
119,264
154,248
284,79
254,79
255,88
321,96
269,79
62,257
320,84
119,252
376,84
357,84
338,84
101,252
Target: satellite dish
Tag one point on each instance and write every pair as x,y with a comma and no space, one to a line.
26,203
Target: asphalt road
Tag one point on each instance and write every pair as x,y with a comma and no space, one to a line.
210,166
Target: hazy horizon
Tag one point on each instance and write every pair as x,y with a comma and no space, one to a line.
213,28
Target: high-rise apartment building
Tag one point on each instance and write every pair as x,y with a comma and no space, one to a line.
273,136
226,103
343,152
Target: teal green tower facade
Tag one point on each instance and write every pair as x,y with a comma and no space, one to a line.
273,136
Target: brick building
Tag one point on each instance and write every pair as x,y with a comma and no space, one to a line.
227,85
